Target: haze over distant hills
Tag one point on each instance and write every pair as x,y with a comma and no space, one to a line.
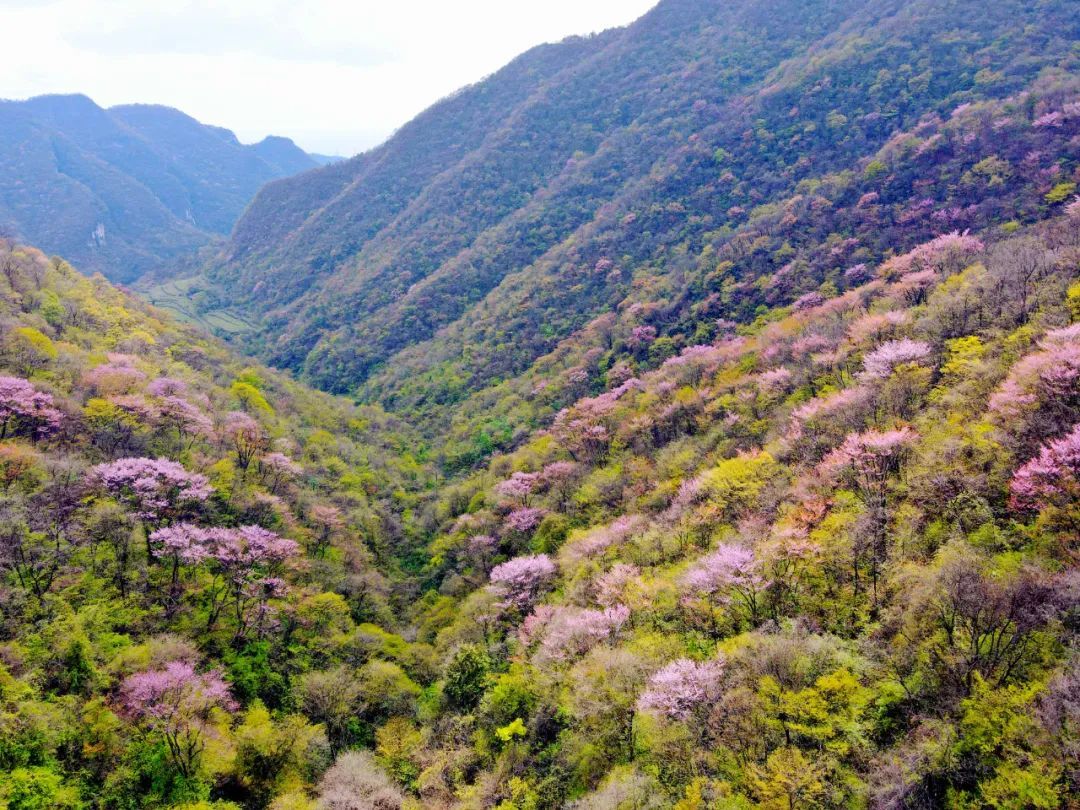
125,189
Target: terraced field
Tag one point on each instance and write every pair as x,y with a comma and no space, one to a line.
181,298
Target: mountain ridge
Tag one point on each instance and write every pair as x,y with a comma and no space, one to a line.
191,181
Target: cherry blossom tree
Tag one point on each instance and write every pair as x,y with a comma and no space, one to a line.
246,436
947,253
563,633
1052,478
522,580
611,586
868,461
277,468
327,522
181,544
733,573
519,486
880,363
156,490
1040,397
177,703
26,411
246,562
682,688
187,420
524,520
118,376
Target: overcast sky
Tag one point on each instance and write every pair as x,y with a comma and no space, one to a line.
337,76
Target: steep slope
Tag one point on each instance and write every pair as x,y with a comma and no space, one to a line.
673,128
125,189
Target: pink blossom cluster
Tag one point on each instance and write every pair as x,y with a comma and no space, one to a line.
519,486
116,377
610,587
846,399
524,520
807,301
1046,375
857,273
1052,474
522,580
641,336
187,419
775,380
730,566
167,387
1072,209
175,694
566,632
882,361
558,471
234,549
872,456
152,488
25,409
875,324
599,539
939,253
482,545
808,344
279,463
682,687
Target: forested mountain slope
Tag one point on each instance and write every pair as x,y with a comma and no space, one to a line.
126,189
826,560
615,148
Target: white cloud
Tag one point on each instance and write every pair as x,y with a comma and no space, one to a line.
337,76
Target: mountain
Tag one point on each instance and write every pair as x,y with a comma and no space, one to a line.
826,560
128,189
732,464
411,266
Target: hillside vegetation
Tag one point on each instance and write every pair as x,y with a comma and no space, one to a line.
730,460
465,248
826,560
129,189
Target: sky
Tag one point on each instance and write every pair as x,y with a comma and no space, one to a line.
337,76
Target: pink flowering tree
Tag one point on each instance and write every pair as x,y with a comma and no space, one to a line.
733,574
523,580
610,587
246,437
177,703
868,462
158,490
586,439
882,361
246,562
947,253
519,486
601,538
559,477
1050,479
683,688
275,469
185,420
25,411
561,634
118,376
1040,397
524,520
182,544
327,522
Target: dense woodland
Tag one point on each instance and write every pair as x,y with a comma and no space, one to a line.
760,490
130,189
